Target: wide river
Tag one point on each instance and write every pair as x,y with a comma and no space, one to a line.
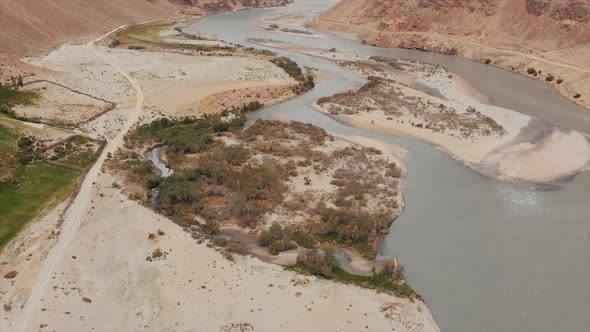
486,255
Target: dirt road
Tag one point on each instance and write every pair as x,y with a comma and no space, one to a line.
427,34
81,204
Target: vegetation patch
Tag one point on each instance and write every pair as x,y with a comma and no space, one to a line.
225,175
322,263
385,95
34,189
10,97
30,182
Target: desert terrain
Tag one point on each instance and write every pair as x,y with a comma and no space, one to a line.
31,27
102,252
542,39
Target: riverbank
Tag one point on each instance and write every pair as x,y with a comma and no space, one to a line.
564,68
432,104
146,258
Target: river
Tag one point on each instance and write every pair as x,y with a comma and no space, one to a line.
486,255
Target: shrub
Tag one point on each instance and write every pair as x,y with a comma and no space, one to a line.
115,43
549,78
25,142
25,158
234,154
211,227
289,66
301,237
152,183
559,81
273,234
488,61
577,95
531,71
279,246
319,262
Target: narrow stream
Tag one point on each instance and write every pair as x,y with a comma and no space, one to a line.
486,255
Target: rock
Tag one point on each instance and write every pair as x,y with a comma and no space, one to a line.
10,275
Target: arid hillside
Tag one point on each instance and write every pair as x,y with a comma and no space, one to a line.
542,25
31,26
551,35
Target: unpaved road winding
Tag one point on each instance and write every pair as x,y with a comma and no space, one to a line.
79,208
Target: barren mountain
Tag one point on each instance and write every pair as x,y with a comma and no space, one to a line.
541,25
514,34
31,26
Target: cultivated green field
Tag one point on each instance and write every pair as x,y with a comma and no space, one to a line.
43,186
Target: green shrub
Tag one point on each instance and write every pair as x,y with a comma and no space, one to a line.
319,262
211,227
25,158
279,246
488,61
531,71
559,81
274,233
577,95
152,183
549,78
25,142
289,66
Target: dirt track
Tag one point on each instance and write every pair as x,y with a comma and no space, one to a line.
81,204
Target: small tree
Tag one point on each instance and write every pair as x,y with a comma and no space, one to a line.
488,61
531,71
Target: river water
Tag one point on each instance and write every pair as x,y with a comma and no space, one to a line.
486,255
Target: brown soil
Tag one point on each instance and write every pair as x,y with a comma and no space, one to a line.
30,26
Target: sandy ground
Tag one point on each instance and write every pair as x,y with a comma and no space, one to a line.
106,263
95,265
528,151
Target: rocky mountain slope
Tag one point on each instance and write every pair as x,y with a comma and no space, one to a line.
31,26
555,31
541,25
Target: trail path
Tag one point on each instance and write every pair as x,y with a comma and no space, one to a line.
81,204
532,57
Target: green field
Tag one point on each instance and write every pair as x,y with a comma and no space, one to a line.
10,97
43,186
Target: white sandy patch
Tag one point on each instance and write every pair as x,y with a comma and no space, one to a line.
506,153
556,156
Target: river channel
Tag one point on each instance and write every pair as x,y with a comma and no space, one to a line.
485,255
